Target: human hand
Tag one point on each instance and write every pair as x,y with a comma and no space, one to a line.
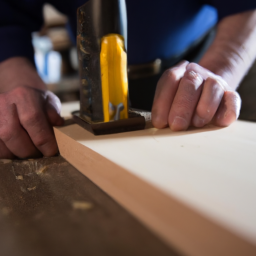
188,94
27,115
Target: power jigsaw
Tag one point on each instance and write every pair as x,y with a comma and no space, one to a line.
102,54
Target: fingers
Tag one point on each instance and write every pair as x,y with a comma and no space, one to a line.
165,92
5,153
209,102
53,108
229,109
14,137
190,94
32,117
39,130
185,101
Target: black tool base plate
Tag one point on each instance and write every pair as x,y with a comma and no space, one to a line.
133,123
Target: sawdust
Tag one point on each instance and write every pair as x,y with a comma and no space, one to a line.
22,189
82,205
31,189
19,177
41,170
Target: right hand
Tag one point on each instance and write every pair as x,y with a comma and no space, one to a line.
188,94
27,114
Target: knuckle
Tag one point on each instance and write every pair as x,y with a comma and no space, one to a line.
184,106
32,119
41,141
218,90
44,138
222,84
193,78
214,90
17,94
171,74
46,144
206,111
190,89
20,90
213,84
192,66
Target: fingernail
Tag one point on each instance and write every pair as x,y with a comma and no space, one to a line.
179,124
198,121
159,122
196,76
230,114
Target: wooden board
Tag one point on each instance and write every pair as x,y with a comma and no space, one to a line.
195,189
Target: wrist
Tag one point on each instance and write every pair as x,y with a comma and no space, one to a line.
224,62
233,50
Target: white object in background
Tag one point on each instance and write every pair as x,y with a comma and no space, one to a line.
40,64
74,58
41,43
48,62
48,66
54,67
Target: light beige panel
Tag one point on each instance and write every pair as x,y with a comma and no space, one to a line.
195,189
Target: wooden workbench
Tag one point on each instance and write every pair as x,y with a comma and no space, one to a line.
48,208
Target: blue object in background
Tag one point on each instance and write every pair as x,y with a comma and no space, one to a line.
48,62
156,29
159,32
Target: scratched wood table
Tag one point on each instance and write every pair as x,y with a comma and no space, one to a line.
48,208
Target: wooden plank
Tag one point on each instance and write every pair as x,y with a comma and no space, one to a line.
195,189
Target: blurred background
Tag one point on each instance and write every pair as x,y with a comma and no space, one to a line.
56,56
57,63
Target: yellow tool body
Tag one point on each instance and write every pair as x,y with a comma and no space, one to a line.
113,62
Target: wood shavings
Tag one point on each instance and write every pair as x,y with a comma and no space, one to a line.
19,177
31,189
22,189
82,205
41,170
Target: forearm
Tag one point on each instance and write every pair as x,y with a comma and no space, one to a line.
233,50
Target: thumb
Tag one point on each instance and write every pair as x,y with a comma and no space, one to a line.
53,108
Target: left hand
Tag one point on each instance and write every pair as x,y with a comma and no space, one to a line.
188,94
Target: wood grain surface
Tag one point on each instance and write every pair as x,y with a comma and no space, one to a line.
48,208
